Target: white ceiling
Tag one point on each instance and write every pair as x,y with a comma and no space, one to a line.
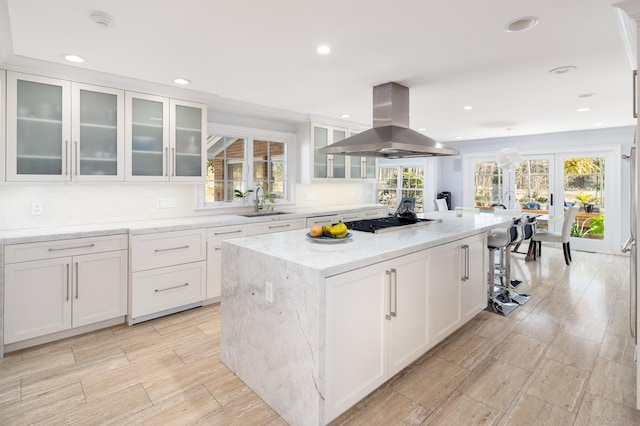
449,53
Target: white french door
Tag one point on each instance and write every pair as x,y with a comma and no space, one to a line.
547,183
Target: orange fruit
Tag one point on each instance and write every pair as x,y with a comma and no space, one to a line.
316,231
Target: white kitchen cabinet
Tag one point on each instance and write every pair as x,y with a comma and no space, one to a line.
63,131
165,139
276,226
168,273
349,216
55,286
322,220
374,213
456,294
376,324
327,165
361,167
215,236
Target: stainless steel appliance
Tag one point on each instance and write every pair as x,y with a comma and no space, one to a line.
385,224
390,136
630,246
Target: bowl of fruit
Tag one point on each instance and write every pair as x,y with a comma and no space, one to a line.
335,233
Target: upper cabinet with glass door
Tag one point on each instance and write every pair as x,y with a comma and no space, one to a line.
361,167
165,139
3,98
337,166
327,165
47,140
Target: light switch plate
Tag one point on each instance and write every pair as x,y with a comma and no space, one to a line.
268,293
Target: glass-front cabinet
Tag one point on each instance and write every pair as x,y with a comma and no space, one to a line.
97,133
165,139
337,166
63,131
3,99
327,165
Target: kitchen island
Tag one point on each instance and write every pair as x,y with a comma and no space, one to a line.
314,327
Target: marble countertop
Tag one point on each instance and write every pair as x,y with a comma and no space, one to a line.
20,236
364,248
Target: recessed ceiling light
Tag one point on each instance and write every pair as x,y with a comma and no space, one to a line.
598,124
182,81
345,116
521,24
323,49
563,70
422,129
583,109
458,137
467,107
74,58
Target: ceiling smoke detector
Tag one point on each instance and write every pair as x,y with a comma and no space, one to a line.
563,70
101,19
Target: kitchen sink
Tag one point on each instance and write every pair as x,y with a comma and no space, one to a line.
259,214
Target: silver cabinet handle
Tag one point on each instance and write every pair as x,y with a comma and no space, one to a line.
635,95
166,161
465,248
217,248
286,225
228,232
159,290
394,274
388,316
72,248
171,249
77,280
173,161
77,158
66,157
67,282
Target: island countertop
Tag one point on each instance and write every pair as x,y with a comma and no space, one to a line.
365,248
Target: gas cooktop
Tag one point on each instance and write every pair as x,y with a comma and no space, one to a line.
385,224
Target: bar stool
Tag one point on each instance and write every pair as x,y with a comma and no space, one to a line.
506,299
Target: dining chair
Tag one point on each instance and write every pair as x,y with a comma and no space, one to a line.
558,237
441,204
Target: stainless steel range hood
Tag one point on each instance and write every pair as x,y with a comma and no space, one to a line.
391,136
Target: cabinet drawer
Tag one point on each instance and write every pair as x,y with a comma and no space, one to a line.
322,220
225,232
276,226
165,288
374,213
349,217
167,248
61,248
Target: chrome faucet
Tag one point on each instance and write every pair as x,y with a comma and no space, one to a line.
259,202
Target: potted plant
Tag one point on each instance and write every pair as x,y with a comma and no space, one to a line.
587,201
243,195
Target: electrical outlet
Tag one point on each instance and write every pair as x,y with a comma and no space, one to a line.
36,208
166,203
268,293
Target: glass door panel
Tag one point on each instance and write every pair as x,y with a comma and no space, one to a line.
98,150
147,137
534,188
188,141
584,185
338,162
320,140
487,184
39,129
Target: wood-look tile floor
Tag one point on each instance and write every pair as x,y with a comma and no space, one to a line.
564,358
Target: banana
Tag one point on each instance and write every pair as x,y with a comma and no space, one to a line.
338,230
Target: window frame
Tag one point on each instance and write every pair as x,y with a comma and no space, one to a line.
429,167
250,134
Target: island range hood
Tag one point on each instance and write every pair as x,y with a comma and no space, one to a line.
390,136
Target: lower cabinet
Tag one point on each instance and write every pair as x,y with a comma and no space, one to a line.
458,293
376,324
168,273
52,287
381,318
215,236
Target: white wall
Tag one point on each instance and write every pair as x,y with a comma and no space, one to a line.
334,194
